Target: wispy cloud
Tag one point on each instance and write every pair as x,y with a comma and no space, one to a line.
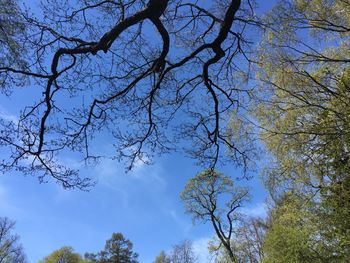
181,222
200,248
8,116
258,210
111,172
145,181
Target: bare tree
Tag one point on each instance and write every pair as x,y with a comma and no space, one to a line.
183,253
249,245
10,250
151,74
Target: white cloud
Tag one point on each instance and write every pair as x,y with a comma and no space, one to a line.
6,115
149,174
200,248
110,172
258,210
147,180
71,162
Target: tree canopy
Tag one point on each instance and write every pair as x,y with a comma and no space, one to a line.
291,235
303,110
211,196
303,113
162,258
12,29
63,255
117,249
150,74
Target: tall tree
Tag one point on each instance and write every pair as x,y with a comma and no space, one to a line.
63,255
137,73
293,234
305,91
10,249
211,196
117,249
304,111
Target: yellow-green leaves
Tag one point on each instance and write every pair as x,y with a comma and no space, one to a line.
211,197
63,255
303,110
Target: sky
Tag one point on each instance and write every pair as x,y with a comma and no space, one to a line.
143,204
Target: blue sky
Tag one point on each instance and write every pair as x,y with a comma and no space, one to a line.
144,204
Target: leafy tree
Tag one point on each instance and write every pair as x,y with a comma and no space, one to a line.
12,30
118,249
304,114
10,250
63,255
211,196
150,73
293,233
333,221
162,258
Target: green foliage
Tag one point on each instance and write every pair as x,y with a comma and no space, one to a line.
211,197
291,235
117,249
63,255
304,114
203,193
13,41
162,258
298,231
12,27
334,213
